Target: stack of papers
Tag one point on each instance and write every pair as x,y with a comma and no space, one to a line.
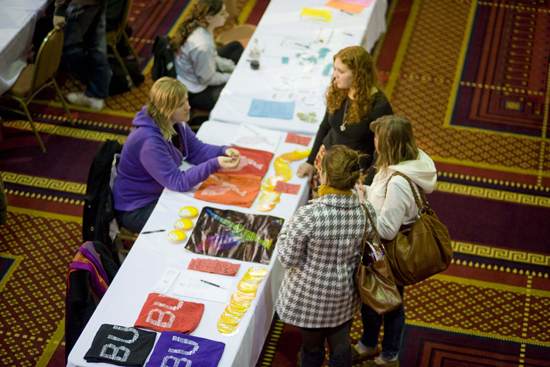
317,15
349,6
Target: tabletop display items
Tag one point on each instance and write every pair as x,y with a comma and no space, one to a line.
239,186
269,198
214,266
184,224
234,235
173,348
123,346
162,313
228,323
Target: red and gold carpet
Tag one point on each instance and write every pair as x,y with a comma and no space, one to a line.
458,70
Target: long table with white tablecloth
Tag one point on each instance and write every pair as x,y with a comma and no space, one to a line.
284,76
295,63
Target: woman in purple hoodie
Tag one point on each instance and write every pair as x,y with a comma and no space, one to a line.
154,150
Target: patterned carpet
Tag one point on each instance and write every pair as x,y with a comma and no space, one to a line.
489,309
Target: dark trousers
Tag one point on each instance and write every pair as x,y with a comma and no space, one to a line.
312,353
394,323
85,48
206,99
135,219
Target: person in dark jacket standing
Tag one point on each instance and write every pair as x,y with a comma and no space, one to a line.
85,48
150,160
320,248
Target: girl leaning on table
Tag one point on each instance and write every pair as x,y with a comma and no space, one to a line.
199,65
159,143
396,210
320,248
354,99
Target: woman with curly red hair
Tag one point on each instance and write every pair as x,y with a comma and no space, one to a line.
354,100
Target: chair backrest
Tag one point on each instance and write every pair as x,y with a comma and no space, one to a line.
48,58
123,21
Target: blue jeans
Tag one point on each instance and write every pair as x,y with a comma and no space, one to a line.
394,323
135,220
85,48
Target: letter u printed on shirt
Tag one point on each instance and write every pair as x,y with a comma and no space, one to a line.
176,361
158,321
112,351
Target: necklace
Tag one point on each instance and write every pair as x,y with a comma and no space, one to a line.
343,126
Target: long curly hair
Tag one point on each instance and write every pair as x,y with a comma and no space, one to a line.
365,77
200,11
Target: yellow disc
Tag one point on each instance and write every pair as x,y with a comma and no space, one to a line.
250,279
177,236
240,301
245,296
238,305
183,224
257,271
189,212
247,287
229,310
227,329
230,320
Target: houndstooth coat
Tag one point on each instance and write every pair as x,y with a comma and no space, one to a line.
320,249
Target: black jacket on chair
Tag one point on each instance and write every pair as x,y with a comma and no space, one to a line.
163,64
99,209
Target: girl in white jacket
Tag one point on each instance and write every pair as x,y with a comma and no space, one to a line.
396,210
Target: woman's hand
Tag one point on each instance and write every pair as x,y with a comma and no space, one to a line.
228,162
304,170
233,153
362,190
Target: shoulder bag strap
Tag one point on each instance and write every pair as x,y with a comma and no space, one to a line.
419,203
373,227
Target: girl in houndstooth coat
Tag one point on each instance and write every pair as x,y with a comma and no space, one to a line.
320,248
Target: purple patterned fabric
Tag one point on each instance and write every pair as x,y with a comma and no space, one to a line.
176,348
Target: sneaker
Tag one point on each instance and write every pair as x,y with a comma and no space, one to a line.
80,99
358,353
388,364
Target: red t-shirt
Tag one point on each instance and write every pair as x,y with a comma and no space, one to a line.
162,313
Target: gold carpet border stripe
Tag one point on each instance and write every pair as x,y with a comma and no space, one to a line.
70,132
73,107
544,127
494,167
44,183
491,181
36,196
52,345
247,9
147,69
515,7
482,192
272,343
460,65
500,254
402,49
49,215
491,285
8,275
476,333
84,122
504,89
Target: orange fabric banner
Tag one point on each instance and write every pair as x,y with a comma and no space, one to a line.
230,189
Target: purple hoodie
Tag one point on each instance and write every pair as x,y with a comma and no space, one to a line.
149,163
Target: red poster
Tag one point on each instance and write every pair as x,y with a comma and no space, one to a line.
253,162
238,190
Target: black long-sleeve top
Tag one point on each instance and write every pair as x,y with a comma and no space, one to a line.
358,136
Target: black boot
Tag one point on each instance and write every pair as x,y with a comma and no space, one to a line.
340,359
312,359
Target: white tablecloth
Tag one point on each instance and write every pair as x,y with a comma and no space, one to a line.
17,21
301,81
153,253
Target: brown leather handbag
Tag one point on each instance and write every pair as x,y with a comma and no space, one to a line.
374,280
424,249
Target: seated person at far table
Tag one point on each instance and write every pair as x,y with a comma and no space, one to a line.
159,143
202,68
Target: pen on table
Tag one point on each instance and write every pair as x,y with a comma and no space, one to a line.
155,231
347,12
347,34
215,285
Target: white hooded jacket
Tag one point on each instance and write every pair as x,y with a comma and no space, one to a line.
398,207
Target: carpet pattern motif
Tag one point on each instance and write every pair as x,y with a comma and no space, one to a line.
421,87
33,298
